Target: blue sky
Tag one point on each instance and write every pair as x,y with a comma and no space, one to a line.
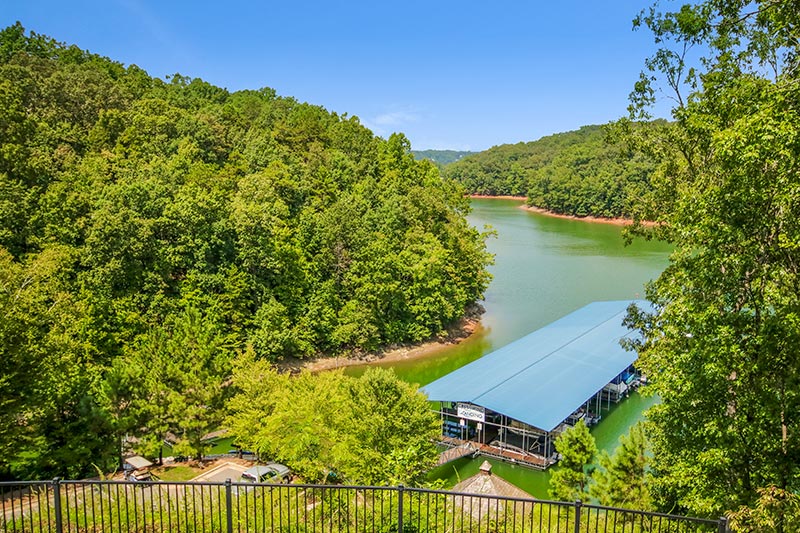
450,75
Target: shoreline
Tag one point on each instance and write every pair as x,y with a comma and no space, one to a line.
501,197
594,220
545,212
458,332
462,330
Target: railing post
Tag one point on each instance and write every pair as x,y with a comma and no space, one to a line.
723,525
57,504
578,505
400,491
229,505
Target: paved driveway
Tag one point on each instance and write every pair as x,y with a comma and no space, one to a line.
222,472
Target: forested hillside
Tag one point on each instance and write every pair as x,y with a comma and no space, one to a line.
575,173
150,230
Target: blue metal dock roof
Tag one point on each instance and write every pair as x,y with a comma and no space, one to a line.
545,376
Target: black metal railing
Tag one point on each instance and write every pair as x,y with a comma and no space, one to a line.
123,506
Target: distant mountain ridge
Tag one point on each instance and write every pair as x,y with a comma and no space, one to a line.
441,157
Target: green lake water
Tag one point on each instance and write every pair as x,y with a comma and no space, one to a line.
545,268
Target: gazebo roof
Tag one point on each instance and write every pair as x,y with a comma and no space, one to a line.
486,484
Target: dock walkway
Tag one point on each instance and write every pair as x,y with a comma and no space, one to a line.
458,448
451,454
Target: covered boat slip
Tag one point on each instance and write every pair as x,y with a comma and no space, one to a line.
513,402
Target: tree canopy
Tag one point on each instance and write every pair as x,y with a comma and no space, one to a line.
721,346
135,211
374,429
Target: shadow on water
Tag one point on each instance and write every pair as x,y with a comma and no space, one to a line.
545,268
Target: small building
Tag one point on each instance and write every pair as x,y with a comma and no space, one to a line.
512,403
137,468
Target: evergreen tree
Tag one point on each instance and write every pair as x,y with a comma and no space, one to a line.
570,479
176,379
620,480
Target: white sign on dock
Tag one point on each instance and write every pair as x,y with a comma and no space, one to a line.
471,412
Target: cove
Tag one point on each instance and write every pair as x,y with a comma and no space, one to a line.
545,268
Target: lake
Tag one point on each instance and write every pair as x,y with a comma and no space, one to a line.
545,267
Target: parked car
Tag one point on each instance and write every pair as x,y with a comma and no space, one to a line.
268,473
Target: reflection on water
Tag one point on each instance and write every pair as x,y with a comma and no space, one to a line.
545,268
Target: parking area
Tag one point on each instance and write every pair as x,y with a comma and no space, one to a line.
220,473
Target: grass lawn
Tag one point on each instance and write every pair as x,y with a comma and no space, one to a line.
176,473
223,445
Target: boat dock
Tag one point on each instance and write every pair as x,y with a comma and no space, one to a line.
513,403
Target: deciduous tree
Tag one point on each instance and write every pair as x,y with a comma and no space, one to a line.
388,432
291,228
374,429
721,345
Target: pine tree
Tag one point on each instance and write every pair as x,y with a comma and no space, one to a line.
620,480
577,447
